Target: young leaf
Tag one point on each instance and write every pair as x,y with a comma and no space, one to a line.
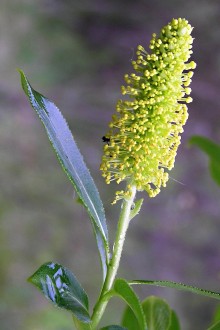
213,151
72,162
178,286
157,313
60,286
123,289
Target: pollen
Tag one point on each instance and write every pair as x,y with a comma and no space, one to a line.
145,132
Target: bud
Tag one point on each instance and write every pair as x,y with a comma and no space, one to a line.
145,133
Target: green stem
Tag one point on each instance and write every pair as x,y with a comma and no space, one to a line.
123,224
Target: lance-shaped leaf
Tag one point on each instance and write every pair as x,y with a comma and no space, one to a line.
178,286
72,162
61,287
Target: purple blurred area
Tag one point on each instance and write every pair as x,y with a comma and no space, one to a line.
76,53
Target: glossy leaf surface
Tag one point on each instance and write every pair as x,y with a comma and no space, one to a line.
178,286
123,289
61,287
213,151
72,162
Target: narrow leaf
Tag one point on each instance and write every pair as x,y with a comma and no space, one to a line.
157,313
60,286
178,286
72,162
136,208
123,289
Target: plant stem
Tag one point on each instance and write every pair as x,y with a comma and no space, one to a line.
123,224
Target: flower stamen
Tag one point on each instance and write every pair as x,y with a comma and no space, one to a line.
145,131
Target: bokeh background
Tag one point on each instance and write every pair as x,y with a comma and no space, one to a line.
76,53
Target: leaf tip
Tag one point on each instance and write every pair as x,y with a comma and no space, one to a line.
21,72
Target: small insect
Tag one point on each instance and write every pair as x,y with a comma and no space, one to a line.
105,139
132,206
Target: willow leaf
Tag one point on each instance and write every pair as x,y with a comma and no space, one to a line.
178,286
72,162
61,287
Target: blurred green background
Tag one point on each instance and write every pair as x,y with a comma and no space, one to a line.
76,53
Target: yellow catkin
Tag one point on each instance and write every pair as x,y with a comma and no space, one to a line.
145,132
